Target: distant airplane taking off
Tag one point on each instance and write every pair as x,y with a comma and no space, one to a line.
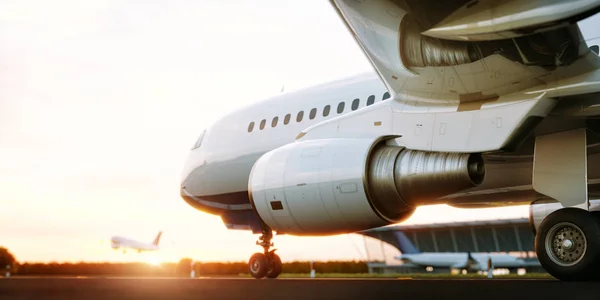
124,243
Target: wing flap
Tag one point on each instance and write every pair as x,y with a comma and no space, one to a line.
435,71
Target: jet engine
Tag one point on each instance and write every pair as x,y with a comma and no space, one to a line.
333,186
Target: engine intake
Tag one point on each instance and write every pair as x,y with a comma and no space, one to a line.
332,186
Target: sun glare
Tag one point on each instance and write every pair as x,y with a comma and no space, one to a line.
155,261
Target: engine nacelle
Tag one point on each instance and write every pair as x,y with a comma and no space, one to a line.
332,186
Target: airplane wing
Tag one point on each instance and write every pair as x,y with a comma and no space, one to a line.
468,53
472,76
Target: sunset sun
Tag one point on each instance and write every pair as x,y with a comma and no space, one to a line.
154,261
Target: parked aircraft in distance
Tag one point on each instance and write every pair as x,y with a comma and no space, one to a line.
118,242
475,104
471,262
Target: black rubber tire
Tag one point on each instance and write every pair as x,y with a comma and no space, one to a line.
258,265
596,276
583,270
275,266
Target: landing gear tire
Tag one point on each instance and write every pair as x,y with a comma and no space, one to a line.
258,265
275,265
567,244
268,263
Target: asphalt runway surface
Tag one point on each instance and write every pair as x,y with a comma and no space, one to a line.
245,288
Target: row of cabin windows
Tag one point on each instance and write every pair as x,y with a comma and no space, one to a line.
313,112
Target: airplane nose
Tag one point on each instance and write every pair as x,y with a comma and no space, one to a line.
193,175
191,164
193,159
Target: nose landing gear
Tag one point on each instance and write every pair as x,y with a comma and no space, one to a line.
267,264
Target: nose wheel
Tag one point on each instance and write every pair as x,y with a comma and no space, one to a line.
266,264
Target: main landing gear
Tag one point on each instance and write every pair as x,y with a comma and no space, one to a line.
267,264
567,244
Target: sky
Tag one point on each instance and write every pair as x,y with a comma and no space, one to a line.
100,102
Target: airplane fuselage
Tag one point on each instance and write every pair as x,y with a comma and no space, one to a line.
118,242
461,260
216,173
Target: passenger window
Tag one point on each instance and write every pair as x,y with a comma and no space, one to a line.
300,116
371,100
262,124
313,113
250,126
326,110
274,122
340,108
355,104
286,120
386,95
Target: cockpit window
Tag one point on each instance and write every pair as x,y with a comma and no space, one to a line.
199,140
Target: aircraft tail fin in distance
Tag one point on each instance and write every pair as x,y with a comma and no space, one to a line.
405,245
157,239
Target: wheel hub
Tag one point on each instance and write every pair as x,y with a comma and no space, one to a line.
255,266
566,244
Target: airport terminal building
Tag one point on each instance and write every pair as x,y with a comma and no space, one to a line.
512,236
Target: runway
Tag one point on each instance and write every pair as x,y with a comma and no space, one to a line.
244,288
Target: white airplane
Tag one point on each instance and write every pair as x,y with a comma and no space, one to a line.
471,262
474,104
125,243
